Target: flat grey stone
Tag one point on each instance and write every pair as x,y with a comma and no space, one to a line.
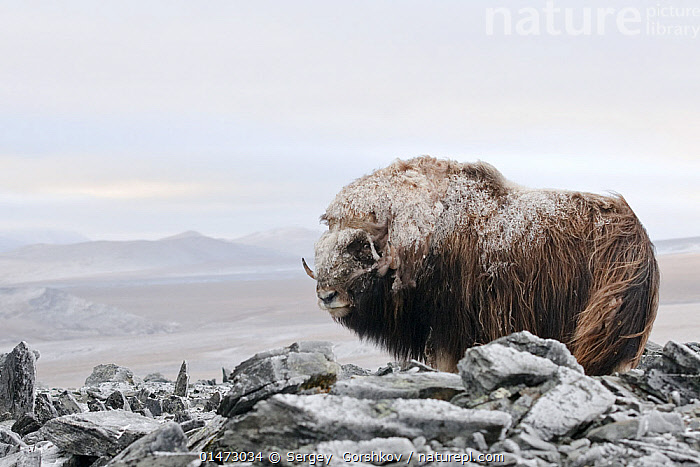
588,457
529,440
653,459
678,452
301,366
651,357
193,424
433,385
549,456
575,400
287,421
550,349
166,446
7,449
43,454
163,459
156,378
11,438
199,439
663,385
681,359
613,432
26,424
66,404
23,458
349,370
97,433
656,422
109,373
493,365
323,347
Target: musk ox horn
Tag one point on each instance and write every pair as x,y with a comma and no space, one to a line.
308,270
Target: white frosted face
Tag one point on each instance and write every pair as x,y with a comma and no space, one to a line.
343,256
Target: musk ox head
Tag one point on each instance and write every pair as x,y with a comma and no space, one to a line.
349,260
375,266
379,228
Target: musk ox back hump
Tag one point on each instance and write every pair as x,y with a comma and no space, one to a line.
428,257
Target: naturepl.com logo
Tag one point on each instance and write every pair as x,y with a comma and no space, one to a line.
553,19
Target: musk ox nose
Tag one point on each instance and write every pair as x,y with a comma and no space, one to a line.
327,296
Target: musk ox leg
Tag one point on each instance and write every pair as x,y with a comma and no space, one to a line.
444,362
437,358
613,328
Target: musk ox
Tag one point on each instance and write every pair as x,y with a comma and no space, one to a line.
428,257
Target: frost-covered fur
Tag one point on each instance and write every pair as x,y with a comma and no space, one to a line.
429,257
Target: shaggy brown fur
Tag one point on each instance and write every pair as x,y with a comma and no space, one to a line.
429,257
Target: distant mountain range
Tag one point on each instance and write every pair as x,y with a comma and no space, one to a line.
13,239
291,240
186,254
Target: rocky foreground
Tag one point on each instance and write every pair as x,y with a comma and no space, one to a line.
519,400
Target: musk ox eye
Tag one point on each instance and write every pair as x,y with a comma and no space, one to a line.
360,249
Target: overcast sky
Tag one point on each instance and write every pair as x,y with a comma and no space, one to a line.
129,119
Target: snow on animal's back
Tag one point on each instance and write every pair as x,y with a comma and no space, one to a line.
427,198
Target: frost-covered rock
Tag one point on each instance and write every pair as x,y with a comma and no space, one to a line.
518,359
535,380
44,407
26,424
675,371
97,434
492,366
521,396
680,359
66,404
108,373
288,421
550,349
576,400
10,439
183,380
304,365
164,447
117,401
434,385
156,377
17,379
